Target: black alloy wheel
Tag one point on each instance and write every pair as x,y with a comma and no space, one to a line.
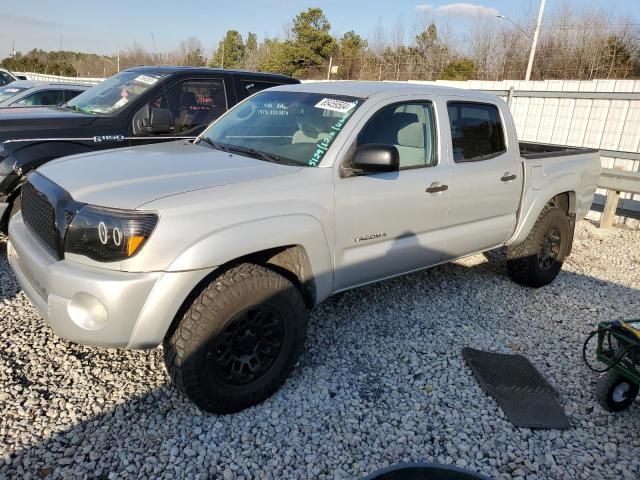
248,346
550,249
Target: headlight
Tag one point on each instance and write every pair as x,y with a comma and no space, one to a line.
108,235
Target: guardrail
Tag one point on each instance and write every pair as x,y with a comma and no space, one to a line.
616,181
44,77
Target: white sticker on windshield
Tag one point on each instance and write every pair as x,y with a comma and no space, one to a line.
146,79
335,105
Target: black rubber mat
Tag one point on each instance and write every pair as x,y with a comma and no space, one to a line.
524,395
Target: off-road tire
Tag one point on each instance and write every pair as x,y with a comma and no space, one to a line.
606,388
188,351
523,262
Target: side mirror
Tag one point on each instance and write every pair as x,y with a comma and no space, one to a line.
160,121
376,158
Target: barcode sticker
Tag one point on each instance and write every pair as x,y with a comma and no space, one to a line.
335,105
149,80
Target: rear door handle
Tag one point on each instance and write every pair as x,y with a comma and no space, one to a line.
507,177
436,187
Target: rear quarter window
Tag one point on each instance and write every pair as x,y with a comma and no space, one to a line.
249,87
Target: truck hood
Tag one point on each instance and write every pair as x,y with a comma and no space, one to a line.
27,122
130,177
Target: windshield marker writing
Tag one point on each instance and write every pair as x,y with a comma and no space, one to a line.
323,145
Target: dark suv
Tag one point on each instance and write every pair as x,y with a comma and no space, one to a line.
137,106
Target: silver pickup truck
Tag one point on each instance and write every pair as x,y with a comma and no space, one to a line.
218,248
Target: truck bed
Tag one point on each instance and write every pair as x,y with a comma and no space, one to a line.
533,150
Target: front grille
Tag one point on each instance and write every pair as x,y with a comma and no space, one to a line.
40,216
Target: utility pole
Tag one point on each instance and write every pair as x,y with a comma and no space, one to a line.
118,60
532,54
329,71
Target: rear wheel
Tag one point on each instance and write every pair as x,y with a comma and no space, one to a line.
614,392
238,341
537,261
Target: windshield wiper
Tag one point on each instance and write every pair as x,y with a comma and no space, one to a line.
269,157
225,147
216,145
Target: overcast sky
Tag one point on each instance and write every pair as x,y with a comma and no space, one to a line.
105,26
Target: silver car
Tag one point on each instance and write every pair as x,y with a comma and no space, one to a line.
27,93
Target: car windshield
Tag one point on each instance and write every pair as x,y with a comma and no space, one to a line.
115,93
9,91
290,127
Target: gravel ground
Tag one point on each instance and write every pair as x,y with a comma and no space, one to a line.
382,381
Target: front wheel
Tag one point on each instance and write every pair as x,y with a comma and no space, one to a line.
537,261
13,208
615,392
238,341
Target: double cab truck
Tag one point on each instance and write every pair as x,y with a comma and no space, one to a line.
218,248
136,106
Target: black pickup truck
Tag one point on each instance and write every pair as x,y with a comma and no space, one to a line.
137,106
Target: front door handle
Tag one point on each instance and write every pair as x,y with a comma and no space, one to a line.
507,177
436,187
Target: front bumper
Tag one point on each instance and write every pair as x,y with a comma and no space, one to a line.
97,306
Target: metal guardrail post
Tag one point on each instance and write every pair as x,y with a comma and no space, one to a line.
615,181
609,213
510,96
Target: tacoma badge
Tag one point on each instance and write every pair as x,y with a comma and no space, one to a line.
370,236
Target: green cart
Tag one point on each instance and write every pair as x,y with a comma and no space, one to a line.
619,349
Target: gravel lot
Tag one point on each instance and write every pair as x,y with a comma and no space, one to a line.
382,381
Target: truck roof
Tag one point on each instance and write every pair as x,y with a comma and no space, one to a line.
366,89
170,70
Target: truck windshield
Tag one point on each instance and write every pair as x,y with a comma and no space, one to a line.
9,91
115,93
289,127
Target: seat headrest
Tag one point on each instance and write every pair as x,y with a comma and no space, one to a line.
411,135
402,119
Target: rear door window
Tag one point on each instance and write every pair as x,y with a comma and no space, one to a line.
476,131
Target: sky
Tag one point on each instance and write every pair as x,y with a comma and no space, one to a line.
105,26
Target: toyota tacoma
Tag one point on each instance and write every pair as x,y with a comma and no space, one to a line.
218,248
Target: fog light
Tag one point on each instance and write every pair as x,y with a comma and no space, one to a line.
87,311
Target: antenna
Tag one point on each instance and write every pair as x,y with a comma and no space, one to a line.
155,48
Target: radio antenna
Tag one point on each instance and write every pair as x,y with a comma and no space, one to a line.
155,48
